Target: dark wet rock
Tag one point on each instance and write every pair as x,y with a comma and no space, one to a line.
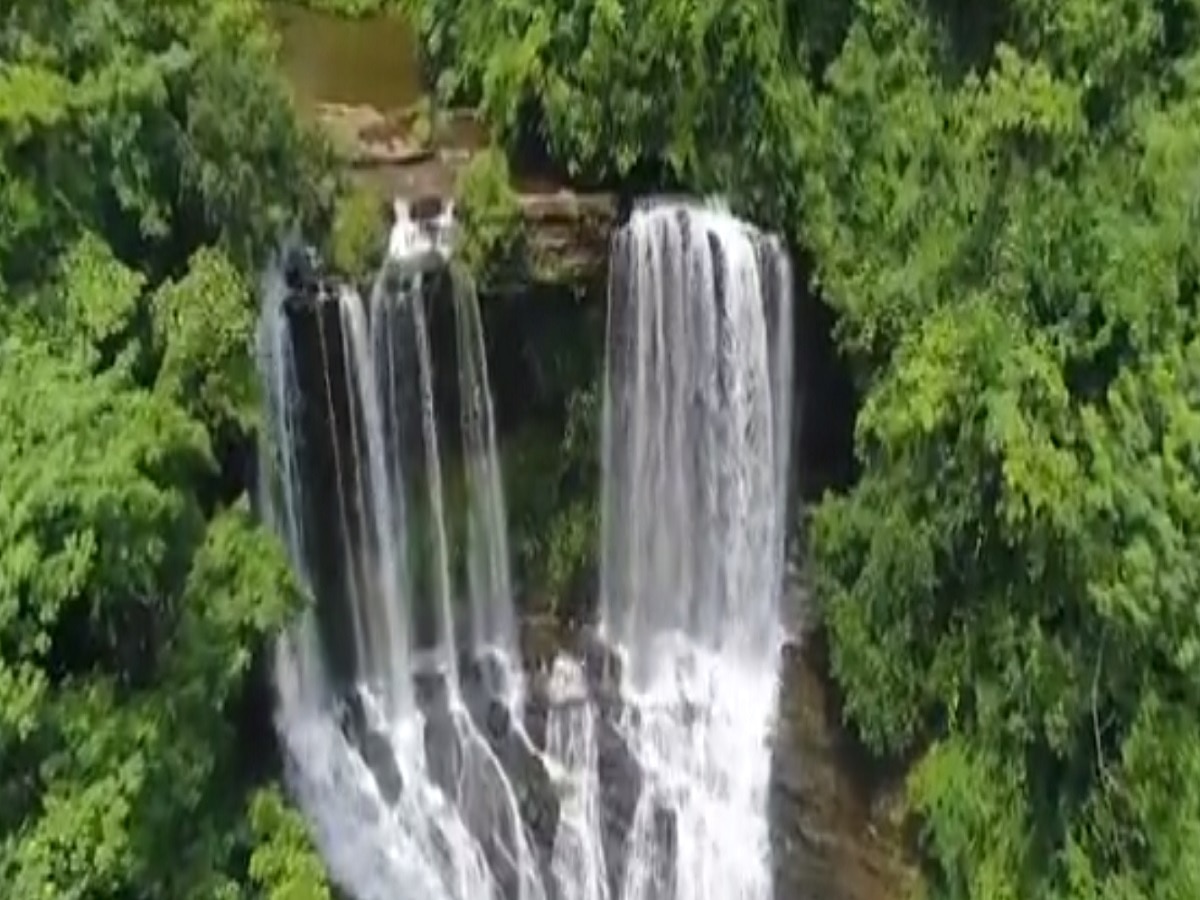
537,707
308,279
432,689
482,798
537,799
461,763
376,749
603,670
831,831
476,766
302,269
485,686
541,641
620,773
666,850
832,834
621,780
541,638
444,753
424,207
494,671
381,760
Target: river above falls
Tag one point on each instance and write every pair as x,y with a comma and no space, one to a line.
371,61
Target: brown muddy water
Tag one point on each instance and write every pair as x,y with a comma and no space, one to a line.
371,61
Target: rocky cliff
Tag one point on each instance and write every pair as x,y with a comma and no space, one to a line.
402,155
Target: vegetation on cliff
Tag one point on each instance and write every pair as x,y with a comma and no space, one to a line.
489,216
999,202
357,237
148,158
997,199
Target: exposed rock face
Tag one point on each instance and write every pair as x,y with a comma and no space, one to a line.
831,831
366,138
466,765
620,773
567,233
375,748
540,643
484,686
834,832
621,785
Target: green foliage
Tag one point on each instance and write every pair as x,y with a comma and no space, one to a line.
99,296
204,329
526,458
157,126
553,493
977,818
358,236
148,159
570,545
489,215
283,865
127,623
1004,223
353,8
609,85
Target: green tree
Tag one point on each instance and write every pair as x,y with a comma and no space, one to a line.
1001,211
160,126
149,157
610,87
489,214
128,620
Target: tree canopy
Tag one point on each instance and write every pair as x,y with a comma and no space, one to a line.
149,155
998,200
1011,587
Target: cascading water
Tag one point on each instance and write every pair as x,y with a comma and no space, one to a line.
492,620
399,703
578,862
696,427
398,768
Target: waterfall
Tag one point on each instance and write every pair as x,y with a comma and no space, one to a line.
578,861
396,688
492,619
401,699
695,455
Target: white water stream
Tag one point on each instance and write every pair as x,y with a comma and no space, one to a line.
659,779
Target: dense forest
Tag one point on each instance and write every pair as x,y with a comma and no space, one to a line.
148,160
997,200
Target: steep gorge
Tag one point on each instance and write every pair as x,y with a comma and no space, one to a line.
829,835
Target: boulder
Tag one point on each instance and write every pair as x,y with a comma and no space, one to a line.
375,748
